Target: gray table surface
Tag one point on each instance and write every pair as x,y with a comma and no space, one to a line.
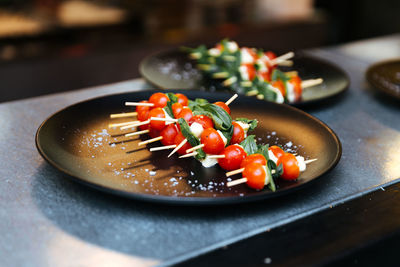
48,220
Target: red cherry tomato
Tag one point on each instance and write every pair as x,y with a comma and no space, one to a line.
238,134
182,99
277,151
271,55
224,106
178,139
159,100
220,47
252,52
143,111
253,158
290,166
144,127
213,142
265,75
186,114
176,109
168,134
203,120
296,82
280,86
255,174
154,133
234,155
251,71
159,113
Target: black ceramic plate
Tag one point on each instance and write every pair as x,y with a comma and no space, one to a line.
173,70
77,141
385,76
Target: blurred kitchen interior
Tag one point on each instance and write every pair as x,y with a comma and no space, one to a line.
48,46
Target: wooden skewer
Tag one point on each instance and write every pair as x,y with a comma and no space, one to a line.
311,82
139,104
216,156
111,125
137,133
230,100
309,161
177,148
194,148
236,182
163,119
282,58
188,155
252,93
286,63
162,148
155,139
234,172
123,115
135,125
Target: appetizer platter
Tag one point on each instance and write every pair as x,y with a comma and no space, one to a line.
183,148
292,78
384,77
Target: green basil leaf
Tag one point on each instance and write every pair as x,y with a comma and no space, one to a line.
196,102
193,141
249,144
228,135
263,150
279,75
222,120
271,184
168,108
252,123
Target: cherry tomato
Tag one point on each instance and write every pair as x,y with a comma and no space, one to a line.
213,142
251,71
234,155
255,174
290,166
296,82
154,133
252,52
168,134
159,100
144,127
176,109
277,151
224,106
178,139
182,99
280,86
143,111
203,120
238,133
186,114
253,158
220,47
159,113
265,75
271,55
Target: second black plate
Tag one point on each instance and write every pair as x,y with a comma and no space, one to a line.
174,70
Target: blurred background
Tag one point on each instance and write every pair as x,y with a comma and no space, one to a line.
49,46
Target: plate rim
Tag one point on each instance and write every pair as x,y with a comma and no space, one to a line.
381,88
304,54
186,201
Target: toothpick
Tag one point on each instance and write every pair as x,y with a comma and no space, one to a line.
311,82
194,148
162,148
282,58
139,104
236,182
123,115
188,155
135,125
216,156
234,172
286,63
252,93
230,100
309,161
122,124
163,119
136,133
158,138
177,148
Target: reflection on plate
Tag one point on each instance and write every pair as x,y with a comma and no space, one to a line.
173,70
385,76
77,141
